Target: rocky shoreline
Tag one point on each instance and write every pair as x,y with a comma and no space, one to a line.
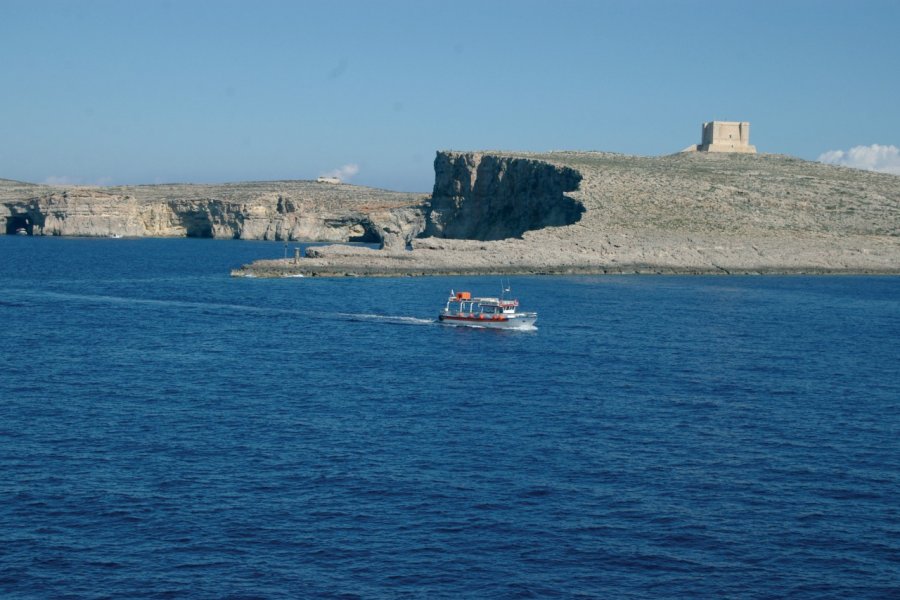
268,210
268,269
518,213
340,261
601,213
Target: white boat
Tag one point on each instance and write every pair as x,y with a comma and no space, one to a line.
463,310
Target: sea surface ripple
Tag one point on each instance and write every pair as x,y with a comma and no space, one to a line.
167,431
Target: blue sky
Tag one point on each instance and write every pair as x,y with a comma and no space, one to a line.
196,91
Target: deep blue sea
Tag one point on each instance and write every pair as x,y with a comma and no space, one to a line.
167,431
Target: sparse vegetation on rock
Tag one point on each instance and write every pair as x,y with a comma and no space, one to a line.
506,212
684,213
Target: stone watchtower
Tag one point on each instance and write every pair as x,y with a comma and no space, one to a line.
725,136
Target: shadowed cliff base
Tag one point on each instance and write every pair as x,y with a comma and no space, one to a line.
685,213
503,212
270,210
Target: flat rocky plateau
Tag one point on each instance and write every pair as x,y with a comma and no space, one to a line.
596,212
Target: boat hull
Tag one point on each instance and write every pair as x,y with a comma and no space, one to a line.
513,322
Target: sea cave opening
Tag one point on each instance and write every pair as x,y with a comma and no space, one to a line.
368,235
17,224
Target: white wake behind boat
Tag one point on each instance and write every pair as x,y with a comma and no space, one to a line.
463,310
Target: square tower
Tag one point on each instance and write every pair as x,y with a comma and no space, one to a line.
726,136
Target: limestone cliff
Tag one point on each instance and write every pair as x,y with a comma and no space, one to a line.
286,210
597,212
492,197
501,212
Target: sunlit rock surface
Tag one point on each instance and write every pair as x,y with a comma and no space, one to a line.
684,213
272,210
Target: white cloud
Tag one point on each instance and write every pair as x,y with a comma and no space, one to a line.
343,173
885,159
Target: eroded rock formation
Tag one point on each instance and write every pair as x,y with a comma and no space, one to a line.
493,197
292,210
561,212
686,213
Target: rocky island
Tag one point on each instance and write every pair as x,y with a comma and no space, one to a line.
268,210
529,213
595,212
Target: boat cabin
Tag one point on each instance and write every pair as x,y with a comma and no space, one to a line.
466,304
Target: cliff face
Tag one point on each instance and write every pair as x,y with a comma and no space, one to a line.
561,212
597,212
492,197
255,211
89,213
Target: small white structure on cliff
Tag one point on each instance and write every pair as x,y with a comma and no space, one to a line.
724,136
331,180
